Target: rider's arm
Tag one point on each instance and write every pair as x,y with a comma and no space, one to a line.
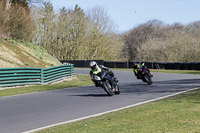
135,71
90,72
104,68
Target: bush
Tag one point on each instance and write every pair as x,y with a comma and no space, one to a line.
16,22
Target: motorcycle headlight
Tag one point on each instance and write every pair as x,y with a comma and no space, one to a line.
96,77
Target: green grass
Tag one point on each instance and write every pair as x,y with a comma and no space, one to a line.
176,71
164,71
179,114
23,54
80,80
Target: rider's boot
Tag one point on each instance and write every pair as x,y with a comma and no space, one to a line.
116,80
150,75
115,88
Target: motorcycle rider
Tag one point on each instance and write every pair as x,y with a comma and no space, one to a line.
95,69
143,67
135,67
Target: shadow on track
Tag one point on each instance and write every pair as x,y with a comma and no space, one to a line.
92,95
136,88
172,86
182,81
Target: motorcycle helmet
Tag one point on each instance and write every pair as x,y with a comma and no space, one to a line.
135,65
93,65
142,63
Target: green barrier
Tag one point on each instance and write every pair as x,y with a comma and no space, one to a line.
31,76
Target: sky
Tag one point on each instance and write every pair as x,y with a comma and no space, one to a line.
127,14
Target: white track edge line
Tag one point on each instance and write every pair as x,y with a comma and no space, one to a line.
99,114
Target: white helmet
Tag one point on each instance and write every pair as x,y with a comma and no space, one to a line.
93,64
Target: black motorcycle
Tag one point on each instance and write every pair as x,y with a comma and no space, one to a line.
107,82
144,75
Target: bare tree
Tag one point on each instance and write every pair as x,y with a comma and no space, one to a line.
73,34
102,41
180,44
139,35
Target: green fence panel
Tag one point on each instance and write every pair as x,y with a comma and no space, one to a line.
57,73
30,76
19,71
15,75
54,79
19,81
21,77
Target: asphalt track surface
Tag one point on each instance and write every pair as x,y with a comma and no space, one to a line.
26,112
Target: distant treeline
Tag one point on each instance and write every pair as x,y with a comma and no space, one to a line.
154,41
76,34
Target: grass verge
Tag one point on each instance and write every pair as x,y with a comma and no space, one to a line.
177,71
178,114
79,80
164,71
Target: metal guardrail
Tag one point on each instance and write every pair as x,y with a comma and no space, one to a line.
31,76
129,64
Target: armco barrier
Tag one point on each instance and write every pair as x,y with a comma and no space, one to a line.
56,73
31,76
177,66
149,65
193,66
110,64
185,66
121,64
129,64
81,63
170,66
160,65
198,66
19,76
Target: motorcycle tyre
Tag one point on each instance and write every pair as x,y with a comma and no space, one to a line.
107,88
148,80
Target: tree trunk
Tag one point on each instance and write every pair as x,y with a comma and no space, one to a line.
8,4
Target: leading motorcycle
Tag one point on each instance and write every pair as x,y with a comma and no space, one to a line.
107,82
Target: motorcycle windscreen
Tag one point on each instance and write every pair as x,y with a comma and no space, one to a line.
103,74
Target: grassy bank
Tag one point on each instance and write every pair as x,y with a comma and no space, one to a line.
16,53
78,80
179,114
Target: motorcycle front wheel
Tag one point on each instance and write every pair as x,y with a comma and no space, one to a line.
107,87
148,79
